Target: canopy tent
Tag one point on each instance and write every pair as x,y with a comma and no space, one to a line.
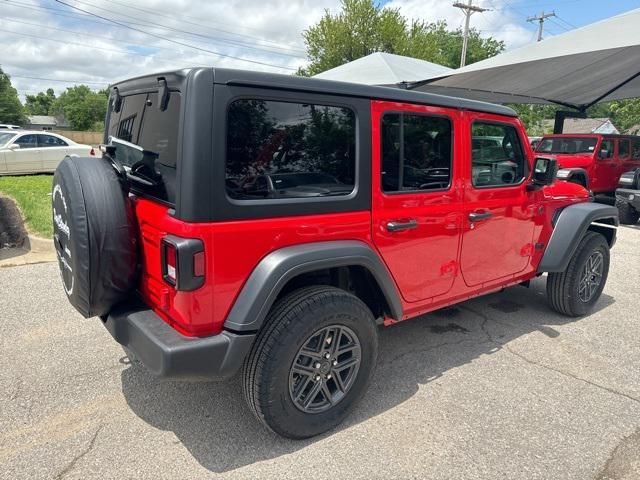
385,69
595,63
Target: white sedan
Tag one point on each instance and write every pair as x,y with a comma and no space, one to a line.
24,151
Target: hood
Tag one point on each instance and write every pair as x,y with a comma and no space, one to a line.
575,160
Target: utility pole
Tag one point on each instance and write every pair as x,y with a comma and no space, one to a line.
468,9
540,19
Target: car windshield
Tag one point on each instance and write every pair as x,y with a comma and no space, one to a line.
291,180
6,137
567,145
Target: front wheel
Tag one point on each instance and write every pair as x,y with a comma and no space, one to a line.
627,214
312,361
575,291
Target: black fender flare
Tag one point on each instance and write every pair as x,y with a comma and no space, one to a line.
569,228
574,171
274,271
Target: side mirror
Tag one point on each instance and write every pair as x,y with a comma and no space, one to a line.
14,146
544,173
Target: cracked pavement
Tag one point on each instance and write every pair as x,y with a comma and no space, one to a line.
499,386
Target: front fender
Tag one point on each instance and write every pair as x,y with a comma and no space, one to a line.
571,172
569,228
276,269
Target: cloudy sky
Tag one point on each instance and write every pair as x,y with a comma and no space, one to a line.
59,43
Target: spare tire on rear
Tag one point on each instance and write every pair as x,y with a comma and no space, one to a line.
94,234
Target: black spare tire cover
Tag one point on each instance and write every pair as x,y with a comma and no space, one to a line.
94,234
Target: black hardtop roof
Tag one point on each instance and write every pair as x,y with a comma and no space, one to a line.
227,76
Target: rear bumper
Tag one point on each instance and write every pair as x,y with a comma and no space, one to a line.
630,196
169,354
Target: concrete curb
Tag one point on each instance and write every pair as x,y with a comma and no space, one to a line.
38,245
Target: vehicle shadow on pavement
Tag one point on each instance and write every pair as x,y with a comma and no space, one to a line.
212,421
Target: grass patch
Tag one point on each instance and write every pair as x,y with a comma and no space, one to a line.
32,192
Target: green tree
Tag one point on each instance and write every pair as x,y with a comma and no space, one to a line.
81,106
625,113
40,104
362,28
11,110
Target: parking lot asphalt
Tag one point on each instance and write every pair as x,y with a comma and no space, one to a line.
496,387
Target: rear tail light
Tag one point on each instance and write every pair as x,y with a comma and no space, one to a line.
170,257
92,152
183,262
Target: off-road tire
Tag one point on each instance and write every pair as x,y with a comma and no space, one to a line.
292,320
563,287
627,214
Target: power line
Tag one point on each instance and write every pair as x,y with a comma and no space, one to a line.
206,27
93,47
559,25
231,42
195,47
564,21
73,14
59,80
149,23
92,36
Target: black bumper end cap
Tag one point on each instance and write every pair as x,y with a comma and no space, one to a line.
168,354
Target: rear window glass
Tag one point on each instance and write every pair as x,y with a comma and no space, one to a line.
289,150
145,135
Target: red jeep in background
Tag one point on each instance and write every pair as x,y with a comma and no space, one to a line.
594,161
243,221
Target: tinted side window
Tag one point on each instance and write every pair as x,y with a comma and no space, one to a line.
624,148
606,149
416,152
296,150
635,154
50,141
28,141
497,155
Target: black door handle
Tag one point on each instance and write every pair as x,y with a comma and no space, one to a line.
395,226
479,216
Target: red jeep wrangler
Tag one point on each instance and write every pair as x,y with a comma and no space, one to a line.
266,223
594,161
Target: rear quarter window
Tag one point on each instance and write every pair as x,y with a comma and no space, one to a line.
278,149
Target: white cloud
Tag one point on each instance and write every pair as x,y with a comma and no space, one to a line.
92,50
64,44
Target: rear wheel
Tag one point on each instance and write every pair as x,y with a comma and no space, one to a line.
575,291
312,361
627,214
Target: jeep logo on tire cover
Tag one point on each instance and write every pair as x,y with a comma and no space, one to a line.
62,238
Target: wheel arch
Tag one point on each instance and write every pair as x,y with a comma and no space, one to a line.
570,225
291,266
574,174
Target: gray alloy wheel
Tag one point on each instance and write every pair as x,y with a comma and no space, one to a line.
324,369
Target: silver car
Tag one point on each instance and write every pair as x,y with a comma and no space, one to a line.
24,151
